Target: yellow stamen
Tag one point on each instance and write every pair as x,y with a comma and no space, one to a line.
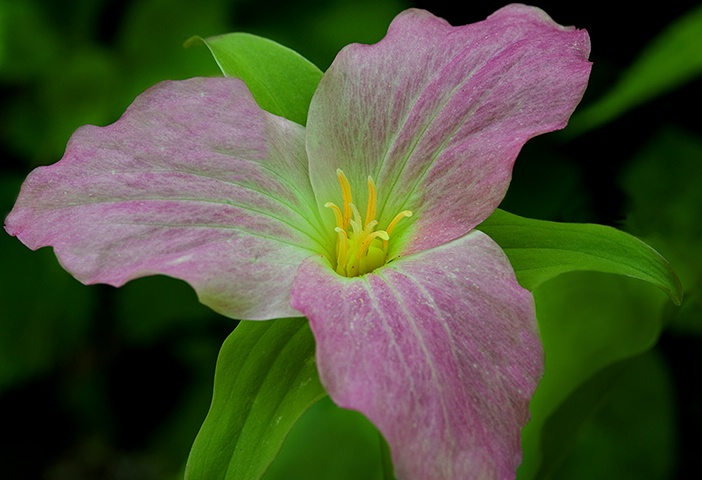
398,217
367,241
372,201
360,248
342,245
369,228
337,214
356,222
346,193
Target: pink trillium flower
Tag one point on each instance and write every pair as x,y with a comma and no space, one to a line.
363,221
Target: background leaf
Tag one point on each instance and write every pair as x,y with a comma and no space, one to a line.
266,378
665,201
281,80
673,58
37,331
540,250
588,321
329,442
633,434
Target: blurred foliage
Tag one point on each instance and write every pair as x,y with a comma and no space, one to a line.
633,435
665,199
671,60
114,384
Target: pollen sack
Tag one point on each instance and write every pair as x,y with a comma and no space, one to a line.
360,248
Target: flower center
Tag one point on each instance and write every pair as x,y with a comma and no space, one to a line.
360,248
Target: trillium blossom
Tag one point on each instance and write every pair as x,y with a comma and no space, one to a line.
363,221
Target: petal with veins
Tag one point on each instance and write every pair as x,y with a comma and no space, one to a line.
439,350
437,114
194,181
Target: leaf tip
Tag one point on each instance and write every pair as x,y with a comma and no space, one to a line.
194,41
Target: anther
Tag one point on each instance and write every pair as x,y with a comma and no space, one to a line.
398,217
367,241
337,214
357,251
346,193
372,201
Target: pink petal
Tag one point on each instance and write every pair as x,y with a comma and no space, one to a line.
439,350
437,114
194,181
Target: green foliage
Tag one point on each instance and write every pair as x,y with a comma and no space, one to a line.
672,59
63,77
540,250
281,80
633,434
266,378
665,198
329,442
324,27
589,322
666,207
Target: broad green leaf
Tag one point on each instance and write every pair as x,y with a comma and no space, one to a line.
672,59
281,80
540,250
329,442
266,377
616,443
589,322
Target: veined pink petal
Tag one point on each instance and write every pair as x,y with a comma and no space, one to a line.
439,350
437,114
194,181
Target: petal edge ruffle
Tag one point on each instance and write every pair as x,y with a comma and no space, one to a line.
437,114
194,181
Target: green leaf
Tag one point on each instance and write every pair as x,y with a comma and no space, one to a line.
266,377
540,250
281,80
589,322
329,442
615,443
672,59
